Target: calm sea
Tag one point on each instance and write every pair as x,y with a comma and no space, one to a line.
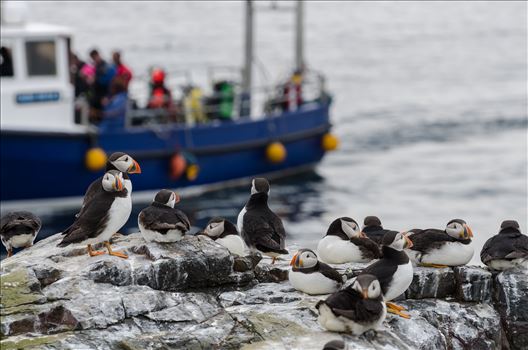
430,102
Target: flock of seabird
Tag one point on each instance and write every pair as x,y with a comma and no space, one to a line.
354,307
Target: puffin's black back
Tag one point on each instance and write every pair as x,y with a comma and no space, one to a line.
161,218
509,243
336,228
93,217
18,223
349,303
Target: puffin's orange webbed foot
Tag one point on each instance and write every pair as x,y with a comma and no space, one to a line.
111,252
399,313
438,266
92,252
9,253
394,306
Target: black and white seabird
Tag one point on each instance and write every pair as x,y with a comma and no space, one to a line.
442,248
394,271
102,216
373,229
355,309
18,229
261,228
225,233
344,242
506,250
311,276
161,222
117,161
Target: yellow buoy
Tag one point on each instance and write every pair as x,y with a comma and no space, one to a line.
95,159
192,172
329,142
276,152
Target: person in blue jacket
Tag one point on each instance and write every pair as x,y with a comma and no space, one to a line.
104,73
114,112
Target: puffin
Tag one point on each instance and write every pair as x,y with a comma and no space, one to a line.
506,250
225,233
394,270
161,222
373,229
19,229
313,277
355,309
442,248
344,242
106,212
259,226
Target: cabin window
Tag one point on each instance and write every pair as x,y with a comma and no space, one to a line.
6,62
41,58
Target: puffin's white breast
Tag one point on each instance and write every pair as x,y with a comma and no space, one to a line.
401,280
334,250
240,220
449,253
20,241
504,264
312,283
233,243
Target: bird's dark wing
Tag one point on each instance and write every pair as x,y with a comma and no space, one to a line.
486,253
429,239
344,300
92,190
368,247
330,272
91,220
20,222
164,219
368,310
383,270
505,246
266,237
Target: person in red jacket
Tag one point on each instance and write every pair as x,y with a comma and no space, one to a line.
160,95
122,71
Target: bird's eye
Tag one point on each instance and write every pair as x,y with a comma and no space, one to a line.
126,159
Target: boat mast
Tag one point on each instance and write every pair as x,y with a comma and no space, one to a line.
299,35
248,50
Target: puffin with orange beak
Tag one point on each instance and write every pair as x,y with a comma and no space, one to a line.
442,248
101,217
311,276
354,309
161,222
344,242
394,271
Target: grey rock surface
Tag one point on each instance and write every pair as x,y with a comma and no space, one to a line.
194,295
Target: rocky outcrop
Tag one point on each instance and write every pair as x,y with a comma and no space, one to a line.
194,295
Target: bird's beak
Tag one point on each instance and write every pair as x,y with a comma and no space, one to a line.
364,293
134,168
177,197
118,184
362,234
296,261
408,241
467,231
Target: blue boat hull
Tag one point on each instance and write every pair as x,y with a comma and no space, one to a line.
50,165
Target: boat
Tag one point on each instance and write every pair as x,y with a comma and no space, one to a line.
46,151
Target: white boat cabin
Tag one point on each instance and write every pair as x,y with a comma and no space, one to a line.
36,93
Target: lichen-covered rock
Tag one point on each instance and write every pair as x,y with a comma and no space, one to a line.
510,296
473,284
194,295
431,282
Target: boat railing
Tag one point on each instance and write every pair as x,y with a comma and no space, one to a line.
193,104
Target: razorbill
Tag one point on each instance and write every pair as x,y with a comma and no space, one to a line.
344,242
18,229
102,216
394,270
311,276
373,229
161,222
442,248
225,233
261,228
506,250
355,309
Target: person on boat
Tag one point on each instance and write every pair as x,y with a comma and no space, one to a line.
122,71
80,81
160,95
104,73
114,111
292,91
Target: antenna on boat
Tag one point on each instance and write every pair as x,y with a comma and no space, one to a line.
299,36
